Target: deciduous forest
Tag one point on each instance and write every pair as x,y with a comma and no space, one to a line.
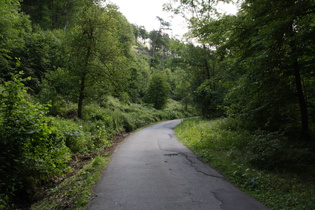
75,73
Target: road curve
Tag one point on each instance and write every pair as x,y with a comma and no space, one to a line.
152,170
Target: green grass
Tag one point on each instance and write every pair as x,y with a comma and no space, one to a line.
276,172
76,191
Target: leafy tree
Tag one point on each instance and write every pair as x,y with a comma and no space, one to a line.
197,67
158,92
164,25
209,100
198,13
99,57
58,89
159,46
140,32
139,80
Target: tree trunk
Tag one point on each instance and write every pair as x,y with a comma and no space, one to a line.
208,73
82,82
299,89
302,101
81,96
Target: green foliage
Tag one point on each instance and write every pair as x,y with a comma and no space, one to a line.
267,73
44,51
100,57
261,149
158,92
139,32
109,120
30,150
277,172
73,135
273,151
53,14
75,192
139,79
263,59
209,100
59,90
14,26
197,78
115,116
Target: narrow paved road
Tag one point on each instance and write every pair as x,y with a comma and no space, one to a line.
152,170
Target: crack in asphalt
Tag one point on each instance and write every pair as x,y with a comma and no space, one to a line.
192,164
170,155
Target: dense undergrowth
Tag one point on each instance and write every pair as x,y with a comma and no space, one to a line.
268,166
38,149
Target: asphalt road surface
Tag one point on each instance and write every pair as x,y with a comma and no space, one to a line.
152,170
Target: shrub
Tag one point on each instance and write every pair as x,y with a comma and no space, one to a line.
30,152
75,138
129,122
273,151
110,118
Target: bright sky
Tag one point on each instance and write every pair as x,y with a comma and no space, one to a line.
144,13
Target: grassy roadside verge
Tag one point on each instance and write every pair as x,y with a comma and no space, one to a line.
74,192
261,164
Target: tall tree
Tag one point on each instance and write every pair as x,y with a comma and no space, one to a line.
100,49
158,92
140,32
159,42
